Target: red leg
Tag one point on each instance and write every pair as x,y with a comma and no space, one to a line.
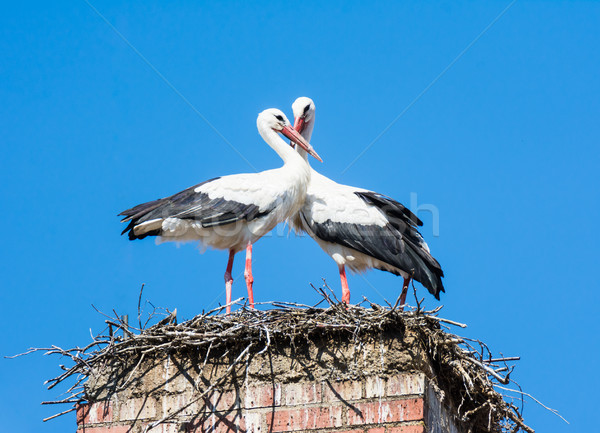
229,280
345,289
404,292
248,274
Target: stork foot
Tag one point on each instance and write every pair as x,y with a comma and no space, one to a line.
345,288
403,293
229,281
248,275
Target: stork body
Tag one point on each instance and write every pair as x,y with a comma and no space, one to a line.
361,229
231,212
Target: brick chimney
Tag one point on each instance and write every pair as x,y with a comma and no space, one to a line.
405,402
350,370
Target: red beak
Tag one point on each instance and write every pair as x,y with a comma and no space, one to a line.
299,124
295,137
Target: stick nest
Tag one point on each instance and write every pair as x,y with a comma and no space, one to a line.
468,376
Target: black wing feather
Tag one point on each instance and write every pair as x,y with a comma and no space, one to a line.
390,207
189,204
398,243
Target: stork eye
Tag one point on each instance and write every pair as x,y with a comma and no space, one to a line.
306,109
279,117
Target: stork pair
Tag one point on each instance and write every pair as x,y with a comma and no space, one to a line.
358,228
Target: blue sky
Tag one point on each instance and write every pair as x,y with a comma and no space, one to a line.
503,144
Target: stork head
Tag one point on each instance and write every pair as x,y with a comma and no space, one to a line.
275,119
304,113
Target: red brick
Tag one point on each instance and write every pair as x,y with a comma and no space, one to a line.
386,411
418,428
346,390
94,413
261,396
376,430
351,431
223,401
218,423
305,419
83,413
105,411
111,429
300,393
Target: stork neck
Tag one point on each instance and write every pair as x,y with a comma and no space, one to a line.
285,152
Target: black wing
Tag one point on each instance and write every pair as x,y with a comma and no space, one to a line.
189,204
398,243
391,208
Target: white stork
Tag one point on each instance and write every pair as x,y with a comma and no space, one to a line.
232,212
362,229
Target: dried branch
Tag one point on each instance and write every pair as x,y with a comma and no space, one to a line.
462,364
554,411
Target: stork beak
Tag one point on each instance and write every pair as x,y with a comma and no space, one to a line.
295,137
299,124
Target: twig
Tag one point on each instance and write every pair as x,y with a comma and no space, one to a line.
509,358
451,322
499,378
554,411
139,306
59,414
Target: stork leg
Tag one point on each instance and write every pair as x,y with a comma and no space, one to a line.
345,289
248,274
229,280
404,292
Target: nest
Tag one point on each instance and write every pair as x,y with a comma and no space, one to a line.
470,377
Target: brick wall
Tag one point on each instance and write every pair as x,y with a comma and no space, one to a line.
401,403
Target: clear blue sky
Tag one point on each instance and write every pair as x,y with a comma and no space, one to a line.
505,145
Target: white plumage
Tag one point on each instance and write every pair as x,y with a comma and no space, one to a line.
331,200
232,212
359,228
276,194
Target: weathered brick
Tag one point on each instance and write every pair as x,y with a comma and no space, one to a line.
109,429
300,393
376,430
414,428
223,401
251,422
167,428
305,419
374,387
267,395
100,412
345,390
196,426
137,408
182,404
187,404
386,411
218,422
83,413
405,384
